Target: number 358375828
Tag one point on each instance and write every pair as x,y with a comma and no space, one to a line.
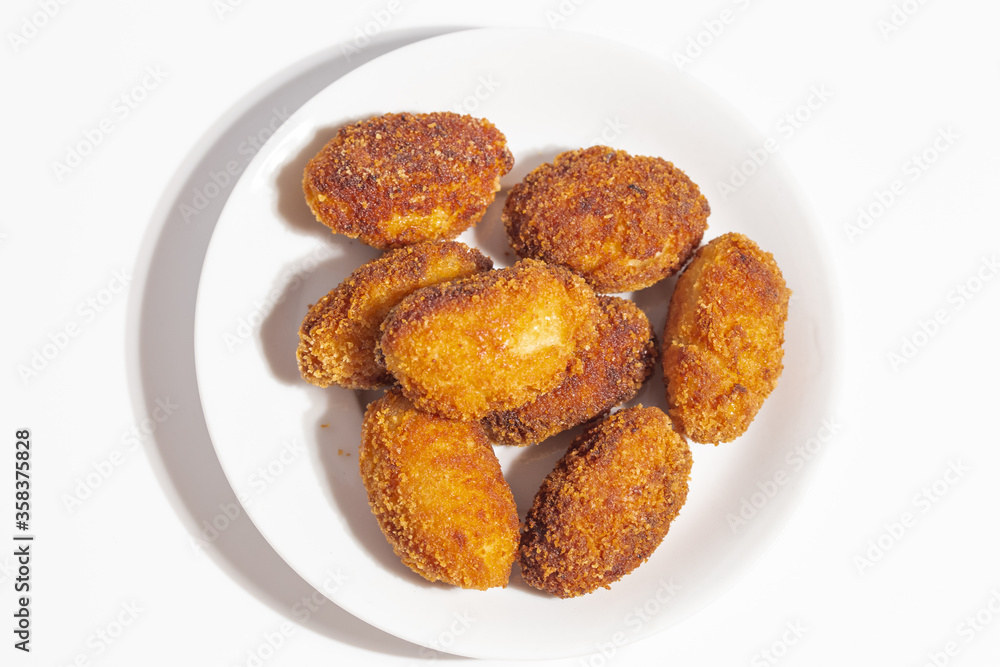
22,477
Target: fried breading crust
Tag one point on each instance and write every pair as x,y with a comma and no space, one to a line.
613,372
723,338
607,505
402,178
436,488
623,222
338,336
490,342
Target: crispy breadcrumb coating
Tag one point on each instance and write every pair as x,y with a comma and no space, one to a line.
607,505
436,488
613,372
723,338
490,342
338,336
402,178
623,222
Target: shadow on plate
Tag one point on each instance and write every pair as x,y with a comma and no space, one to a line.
161,346
279,331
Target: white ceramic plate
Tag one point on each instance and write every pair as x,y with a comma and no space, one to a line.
290,449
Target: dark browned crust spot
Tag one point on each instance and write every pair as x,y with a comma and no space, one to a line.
613,372
623,222
339,334
436,488
723,338
607,505
402,178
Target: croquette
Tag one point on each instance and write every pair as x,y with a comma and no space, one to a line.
623,222
723,339
607,504
613,372
437,492
403,178
338,336
490,342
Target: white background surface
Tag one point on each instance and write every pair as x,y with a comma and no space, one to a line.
135,551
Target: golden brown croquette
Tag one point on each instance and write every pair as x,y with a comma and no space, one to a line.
623,222
490,342
607,505
436,489
403,178
723,339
